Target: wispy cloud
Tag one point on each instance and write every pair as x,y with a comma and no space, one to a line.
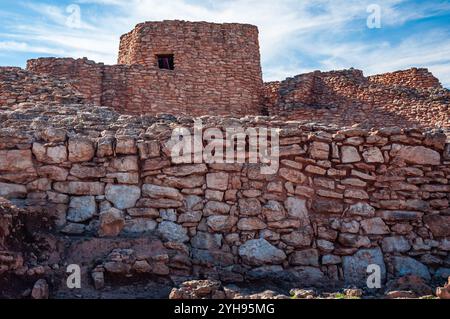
295,36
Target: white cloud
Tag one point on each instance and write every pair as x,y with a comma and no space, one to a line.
292,33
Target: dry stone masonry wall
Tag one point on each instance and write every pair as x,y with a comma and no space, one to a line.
341,200
411,98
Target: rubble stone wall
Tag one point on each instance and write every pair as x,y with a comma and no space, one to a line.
341,200
411,98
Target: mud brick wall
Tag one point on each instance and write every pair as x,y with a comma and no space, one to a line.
341,200
411,98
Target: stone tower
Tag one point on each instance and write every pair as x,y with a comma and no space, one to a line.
216,67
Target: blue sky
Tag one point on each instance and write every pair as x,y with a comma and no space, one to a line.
296,36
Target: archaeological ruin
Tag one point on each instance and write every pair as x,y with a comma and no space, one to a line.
87,177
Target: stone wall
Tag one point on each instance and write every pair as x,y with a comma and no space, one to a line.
341,200
413,78
20,86
217,71
411,98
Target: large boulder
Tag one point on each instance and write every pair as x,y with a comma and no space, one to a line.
258,252
355,267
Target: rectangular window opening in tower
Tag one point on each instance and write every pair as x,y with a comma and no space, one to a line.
166,61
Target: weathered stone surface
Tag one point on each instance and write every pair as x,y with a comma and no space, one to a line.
217,181
50,154
216,208
170,231
15,160
186,170
352,240
292,175
395,244
155,191
112,223
361,209
375,226
309,257
373,155
418,155
251,224
297,209
274,211
139,226
222,223
185,182
159,203
207,241
250,207
439,225
299,238
258,252
324,206
319,150
122,196
80,188
87,171
80,150
12,190
55,173
125,164
350,154
404,266
399,215
81,209
355,267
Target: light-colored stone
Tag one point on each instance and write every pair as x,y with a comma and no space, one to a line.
251,224
222,223
417,155
218,181
297,209
122,196
155,191
373,155
350,154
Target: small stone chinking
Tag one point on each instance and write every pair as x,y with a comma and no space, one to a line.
343,198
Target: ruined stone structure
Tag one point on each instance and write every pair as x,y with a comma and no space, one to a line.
216,70
83,145
341,200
